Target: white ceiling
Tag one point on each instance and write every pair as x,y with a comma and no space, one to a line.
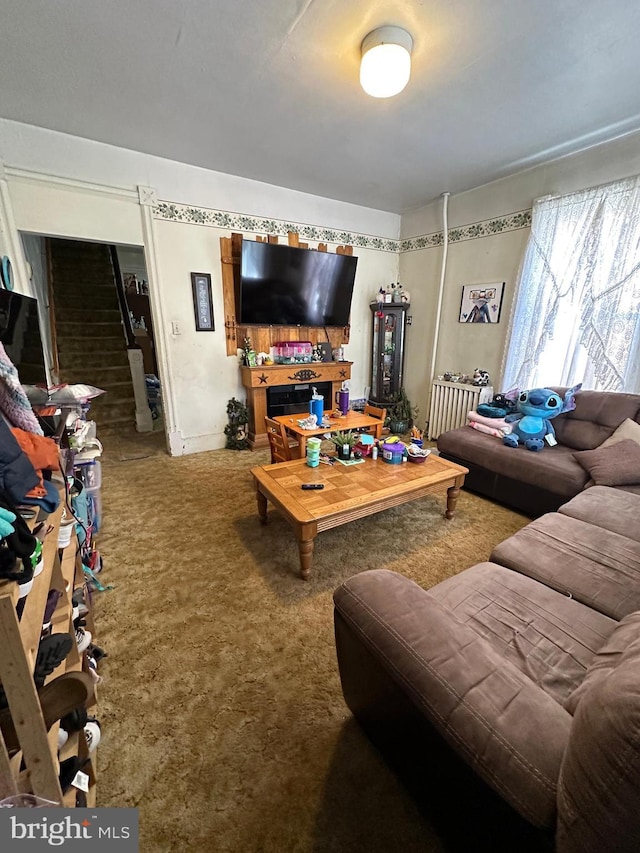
268,89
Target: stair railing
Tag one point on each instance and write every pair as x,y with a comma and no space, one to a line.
55,359
122,300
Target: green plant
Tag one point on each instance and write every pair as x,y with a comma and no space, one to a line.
342,438
236,430
400,408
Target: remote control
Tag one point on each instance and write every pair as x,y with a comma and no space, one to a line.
312,486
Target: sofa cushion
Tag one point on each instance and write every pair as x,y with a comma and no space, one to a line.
549,637
627,430
485,708
595,418
623,642
598,786
617,464
612,509
596,567
553,468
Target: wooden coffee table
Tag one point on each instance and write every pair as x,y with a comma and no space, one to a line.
349,493
352,420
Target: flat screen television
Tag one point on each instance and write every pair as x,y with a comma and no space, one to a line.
288,286
20,336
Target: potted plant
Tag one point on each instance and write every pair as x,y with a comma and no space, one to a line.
344,441
401,413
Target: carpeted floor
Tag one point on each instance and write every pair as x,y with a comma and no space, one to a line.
221,709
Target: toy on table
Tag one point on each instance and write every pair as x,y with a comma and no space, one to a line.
531,424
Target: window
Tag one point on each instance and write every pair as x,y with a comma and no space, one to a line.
577,309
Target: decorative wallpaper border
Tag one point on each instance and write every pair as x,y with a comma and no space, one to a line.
259,225
485,228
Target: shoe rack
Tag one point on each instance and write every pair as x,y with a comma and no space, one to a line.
35,767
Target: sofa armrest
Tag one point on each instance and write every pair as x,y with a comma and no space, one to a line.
507,729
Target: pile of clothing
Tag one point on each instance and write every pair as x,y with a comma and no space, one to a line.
490,417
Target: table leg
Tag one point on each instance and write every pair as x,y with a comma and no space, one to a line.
452,499
378,429
302,446
262,507
305,547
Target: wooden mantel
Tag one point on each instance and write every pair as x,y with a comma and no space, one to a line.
256,380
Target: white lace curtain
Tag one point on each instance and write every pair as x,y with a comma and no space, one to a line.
576,314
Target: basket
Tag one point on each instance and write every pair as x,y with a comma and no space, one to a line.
418,455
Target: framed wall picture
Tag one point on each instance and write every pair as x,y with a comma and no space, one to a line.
481,303
202,301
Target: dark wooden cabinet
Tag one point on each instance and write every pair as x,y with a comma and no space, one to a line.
387,350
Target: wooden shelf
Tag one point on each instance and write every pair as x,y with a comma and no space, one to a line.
263,337
35,767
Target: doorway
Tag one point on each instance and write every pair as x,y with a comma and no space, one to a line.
97,329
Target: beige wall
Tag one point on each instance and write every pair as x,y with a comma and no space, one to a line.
63,186
482,260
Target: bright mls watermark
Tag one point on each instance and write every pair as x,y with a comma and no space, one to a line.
69,829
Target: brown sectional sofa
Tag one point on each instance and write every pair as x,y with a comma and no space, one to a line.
535,483
525,669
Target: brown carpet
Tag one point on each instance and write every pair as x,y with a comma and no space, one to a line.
222,715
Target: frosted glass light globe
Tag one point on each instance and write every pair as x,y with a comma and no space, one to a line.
385,68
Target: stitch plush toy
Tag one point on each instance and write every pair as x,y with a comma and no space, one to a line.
532,421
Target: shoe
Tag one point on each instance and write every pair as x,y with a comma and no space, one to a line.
52,650
93,670
63,737
50,608
78,601
69,768
83,639
96,653
92,734
75,720
58,698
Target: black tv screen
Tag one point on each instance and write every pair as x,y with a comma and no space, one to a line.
287,286
20,335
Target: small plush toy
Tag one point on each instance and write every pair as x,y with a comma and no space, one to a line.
532,421
480,377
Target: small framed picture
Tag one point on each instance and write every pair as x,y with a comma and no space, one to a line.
202,301
481,303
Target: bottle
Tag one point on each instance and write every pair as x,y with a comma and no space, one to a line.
374,452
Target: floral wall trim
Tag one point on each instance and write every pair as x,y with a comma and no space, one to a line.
259,225
486,228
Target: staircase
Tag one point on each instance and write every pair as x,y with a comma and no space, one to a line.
89,333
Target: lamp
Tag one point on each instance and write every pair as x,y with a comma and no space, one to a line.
385,67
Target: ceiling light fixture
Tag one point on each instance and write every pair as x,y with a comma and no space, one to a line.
386,61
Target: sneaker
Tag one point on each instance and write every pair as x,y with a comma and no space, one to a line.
49,609
96,653
75,720
69,768
92,734
58,698
52,650
63,737
79,603
93,670
83,639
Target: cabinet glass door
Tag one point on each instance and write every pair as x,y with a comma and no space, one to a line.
387,352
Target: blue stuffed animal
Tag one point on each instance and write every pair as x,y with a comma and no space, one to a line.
532,421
